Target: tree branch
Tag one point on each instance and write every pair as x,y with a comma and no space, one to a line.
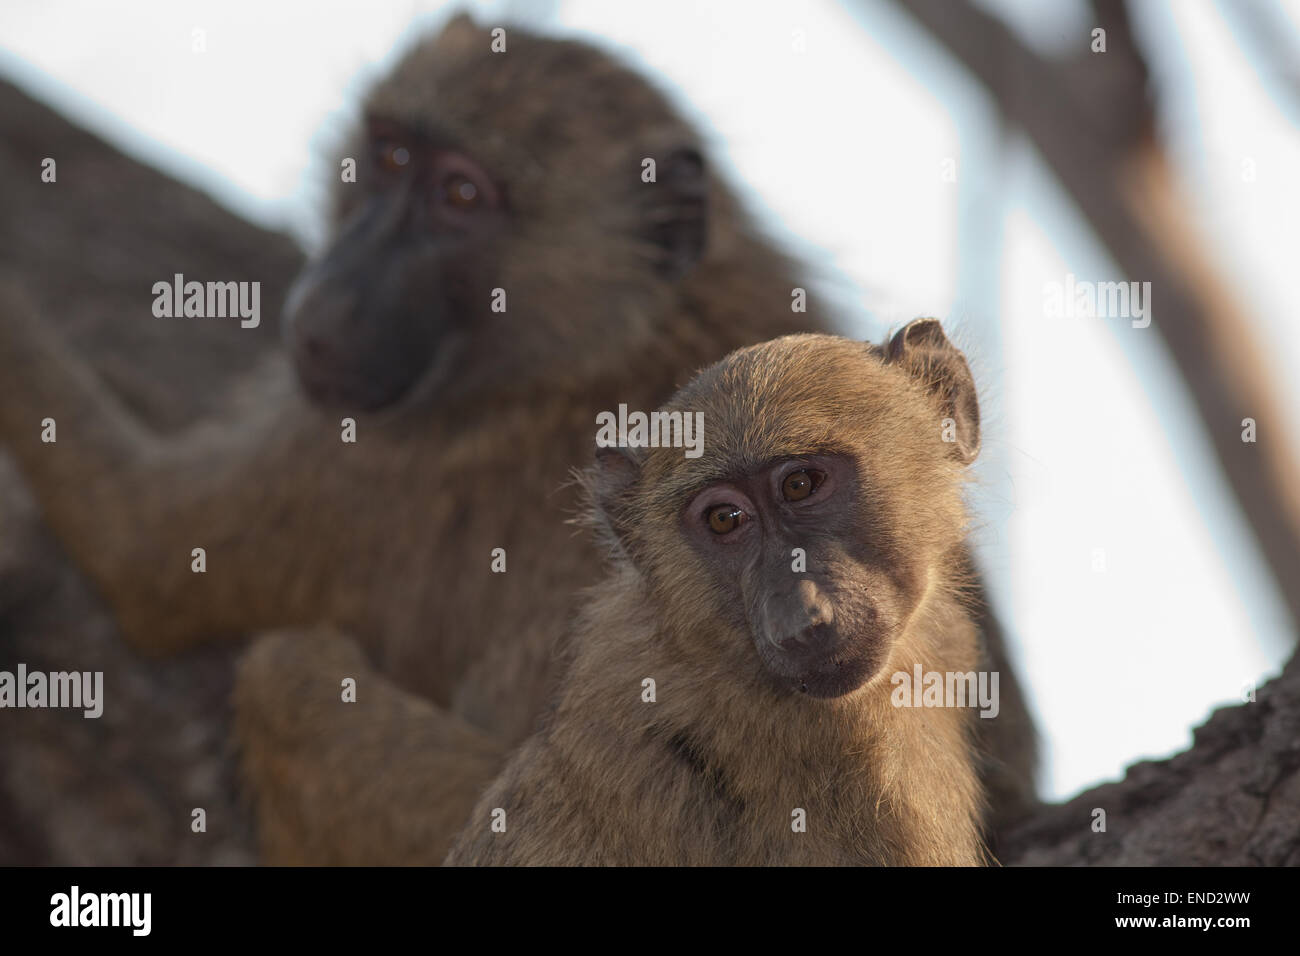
1233,799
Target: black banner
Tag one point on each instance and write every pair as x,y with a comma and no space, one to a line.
214,906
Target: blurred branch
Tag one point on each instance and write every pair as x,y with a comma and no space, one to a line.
1090,119
1267,30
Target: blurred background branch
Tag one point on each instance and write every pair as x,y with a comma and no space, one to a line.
1265,30
1092,119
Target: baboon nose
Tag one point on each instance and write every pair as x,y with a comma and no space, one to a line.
803,623
815,604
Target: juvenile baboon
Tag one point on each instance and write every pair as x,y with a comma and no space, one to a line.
500,272
730,698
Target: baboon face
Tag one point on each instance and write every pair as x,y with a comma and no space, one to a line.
499,229
788,537
800,542
366,321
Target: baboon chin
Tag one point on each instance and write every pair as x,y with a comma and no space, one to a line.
813,547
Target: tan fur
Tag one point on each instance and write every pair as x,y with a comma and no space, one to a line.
712,771
389,770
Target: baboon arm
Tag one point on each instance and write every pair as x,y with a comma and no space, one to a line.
387,779
129,507
41,380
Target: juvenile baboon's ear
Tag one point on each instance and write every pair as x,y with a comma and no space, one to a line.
679,211
609,484
922,349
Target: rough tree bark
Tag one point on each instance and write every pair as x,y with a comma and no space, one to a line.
120,790
1233,799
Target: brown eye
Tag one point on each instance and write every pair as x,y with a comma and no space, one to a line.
394,157
798,485
461,191
724,519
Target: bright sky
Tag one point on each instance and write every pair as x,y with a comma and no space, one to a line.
1101,510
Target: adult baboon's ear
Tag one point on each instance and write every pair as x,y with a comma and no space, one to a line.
679,211
922,349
